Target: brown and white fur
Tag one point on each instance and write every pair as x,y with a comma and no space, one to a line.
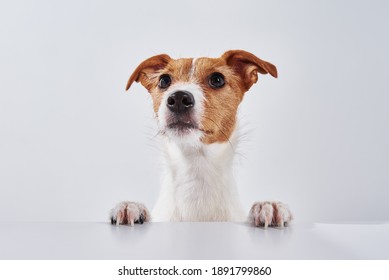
195,102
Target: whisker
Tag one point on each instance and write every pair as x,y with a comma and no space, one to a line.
217,113
228,139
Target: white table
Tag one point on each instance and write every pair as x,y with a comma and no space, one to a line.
192,241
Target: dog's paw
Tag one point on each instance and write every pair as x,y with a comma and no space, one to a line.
267,213
128,212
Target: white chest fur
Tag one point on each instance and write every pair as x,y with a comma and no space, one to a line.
198,184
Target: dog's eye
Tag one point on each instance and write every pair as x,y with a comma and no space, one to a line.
216,80
164,81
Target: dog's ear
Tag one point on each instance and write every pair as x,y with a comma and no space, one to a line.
248,65
145,70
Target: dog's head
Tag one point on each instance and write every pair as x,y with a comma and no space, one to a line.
196,100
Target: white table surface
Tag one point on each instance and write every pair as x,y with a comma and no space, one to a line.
192,241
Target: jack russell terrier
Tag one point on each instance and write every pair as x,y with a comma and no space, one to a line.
195,102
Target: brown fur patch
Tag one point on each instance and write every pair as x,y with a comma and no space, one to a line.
220,105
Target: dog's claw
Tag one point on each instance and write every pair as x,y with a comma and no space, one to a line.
141,218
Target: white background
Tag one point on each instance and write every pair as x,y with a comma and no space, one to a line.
73,142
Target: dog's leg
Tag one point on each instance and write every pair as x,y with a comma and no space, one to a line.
128,212
267,213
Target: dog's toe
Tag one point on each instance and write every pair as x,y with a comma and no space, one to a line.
275,214
128,212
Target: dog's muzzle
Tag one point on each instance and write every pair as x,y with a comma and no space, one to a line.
181,107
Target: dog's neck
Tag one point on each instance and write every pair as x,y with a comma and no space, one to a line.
198,183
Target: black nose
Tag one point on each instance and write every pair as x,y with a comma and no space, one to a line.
180,101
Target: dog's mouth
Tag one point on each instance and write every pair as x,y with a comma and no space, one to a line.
182,126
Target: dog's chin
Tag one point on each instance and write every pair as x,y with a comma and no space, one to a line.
183,132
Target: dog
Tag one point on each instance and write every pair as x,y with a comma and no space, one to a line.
195,103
